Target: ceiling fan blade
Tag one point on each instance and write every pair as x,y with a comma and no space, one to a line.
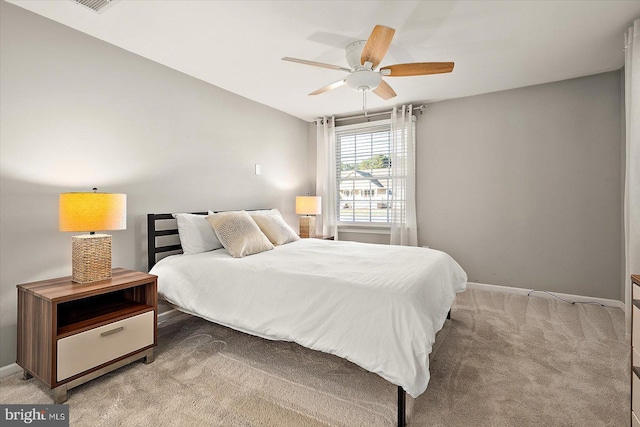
384,91
418,69
327,88
377,45
316,64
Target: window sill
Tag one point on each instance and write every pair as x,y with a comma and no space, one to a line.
365,228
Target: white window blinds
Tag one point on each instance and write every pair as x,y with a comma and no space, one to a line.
363,173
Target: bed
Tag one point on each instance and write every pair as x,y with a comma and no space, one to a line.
377,306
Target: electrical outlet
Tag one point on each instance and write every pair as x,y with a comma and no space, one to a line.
258,169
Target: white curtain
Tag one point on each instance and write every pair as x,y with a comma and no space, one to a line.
404,230
632,172
326,174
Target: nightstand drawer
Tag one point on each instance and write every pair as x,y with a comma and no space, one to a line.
86,350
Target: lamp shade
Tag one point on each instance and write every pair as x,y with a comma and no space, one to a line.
308,205
93,211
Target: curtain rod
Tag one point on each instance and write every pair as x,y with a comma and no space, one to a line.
421,108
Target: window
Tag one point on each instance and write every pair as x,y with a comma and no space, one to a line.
363,161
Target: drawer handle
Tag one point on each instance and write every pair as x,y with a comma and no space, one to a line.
113,331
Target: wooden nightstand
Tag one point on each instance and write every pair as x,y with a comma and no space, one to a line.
71,333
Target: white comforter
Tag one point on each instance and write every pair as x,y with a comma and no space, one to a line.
375,305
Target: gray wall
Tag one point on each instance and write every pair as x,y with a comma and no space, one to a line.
77,112
523,187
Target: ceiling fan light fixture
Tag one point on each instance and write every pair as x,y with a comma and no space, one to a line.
364,80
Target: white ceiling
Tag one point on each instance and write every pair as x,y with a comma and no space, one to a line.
237,45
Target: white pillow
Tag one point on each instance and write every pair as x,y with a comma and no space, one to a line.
277,231
195,233
273,211
239,234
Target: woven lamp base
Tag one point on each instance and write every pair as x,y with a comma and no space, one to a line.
307,226
91,257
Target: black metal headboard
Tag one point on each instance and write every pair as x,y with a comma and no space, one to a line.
153,231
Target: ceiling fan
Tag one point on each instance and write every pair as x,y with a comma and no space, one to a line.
364,56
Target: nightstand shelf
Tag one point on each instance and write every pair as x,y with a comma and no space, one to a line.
80,314
70,333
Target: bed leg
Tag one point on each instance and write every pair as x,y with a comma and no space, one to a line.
402,407
449,315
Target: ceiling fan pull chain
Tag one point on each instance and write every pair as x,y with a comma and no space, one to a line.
364,102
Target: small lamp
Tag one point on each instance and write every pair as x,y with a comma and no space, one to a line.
308,205
91,253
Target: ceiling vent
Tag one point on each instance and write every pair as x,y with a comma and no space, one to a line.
96,5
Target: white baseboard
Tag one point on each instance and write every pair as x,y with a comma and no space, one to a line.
13,368
521,291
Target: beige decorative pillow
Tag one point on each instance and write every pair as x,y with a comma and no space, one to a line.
239,234
277,231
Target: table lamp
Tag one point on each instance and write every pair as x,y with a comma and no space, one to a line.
92,211
307,206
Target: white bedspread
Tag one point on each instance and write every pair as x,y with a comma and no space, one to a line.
378,306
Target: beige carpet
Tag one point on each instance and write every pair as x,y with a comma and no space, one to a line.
503,360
